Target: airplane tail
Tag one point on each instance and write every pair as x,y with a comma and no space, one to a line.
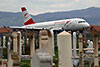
27,18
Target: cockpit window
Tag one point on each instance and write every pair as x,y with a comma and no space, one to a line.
81,21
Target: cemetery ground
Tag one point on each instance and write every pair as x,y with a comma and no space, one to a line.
26,63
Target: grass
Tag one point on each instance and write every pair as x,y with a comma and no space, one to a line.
25,63
4,53
55,58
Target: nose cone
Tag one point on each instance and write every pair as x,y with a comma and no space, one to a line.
86,25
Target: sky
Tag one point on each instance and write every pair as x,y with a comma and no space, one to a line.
42,6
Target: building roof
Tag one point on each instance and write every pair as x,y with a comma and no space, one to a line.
97,28
94,27
5,30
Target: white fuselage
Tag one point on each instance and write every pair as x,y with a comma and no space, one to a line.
70,24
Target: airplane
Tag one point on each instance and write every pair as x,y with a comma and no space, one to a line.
74,24
69,24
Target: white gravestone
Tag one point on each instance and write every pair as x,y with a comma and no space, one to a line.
90,45
64,43
75,61
4,41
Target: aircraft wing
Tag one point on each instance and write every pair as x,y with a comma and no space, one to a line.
32,28
16,27
24,28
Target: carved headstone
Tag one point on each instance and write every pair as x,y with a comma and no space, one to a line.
46,41
14,35
42,59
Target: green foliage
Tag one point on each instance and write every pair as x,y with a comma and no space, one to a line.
27,48
5,53
25,63
55,58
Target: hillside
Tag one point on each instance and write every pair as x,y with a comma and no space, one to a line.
91,14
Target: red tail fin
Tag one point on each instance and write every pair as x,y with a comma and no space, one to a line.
27,18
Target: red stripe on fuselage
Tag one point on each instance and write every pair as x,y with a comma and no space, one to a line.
30,21
59,22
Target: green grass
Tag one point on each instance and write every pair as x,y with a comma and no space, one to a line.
55,58
25,63
4,53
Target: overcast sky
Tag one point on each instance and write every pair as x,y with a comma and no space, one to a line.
41,6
